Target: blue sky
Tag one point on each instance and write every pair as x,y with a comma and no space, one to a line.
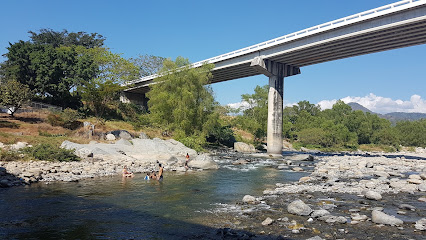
384,82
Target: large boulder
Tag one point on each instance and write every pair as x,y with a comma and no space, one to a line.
122,134
203,161
298,207
372,195
382,218
299,157
244,147
421,224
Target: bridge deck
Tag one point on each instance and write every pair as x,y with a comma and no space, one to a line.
396,25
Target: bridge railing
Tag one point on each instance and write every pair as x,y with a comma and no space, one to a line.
362,16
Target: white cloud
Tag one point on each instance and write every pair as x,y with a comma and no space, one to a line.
372,102
382,104
243,105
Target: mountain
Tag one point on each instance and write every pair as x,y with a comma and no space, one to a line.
356,106
393,116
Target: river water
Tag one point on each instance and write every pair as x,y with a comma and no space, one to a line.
134,208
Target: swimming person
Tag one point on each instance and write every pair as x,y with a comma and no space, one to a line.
126,173
147,177
160,173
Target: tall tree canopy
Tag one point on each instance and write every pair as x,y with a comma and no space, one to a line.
51,64
148,64
101,93
181,100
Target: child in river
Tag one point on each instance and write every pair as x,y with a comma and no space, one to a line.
147,176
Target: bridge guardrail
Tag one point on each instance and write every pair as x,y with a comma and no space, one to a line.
383,10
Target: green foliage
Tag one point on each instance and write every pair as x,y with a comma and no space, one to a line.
412,133
180,99
13,95
50,71
195,142
64,38
222,135
48,152
9,156
101,94
148,64
255,117
68,118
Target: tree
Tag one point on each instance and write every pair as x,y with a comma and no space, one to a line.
102,92
52,65
64,38
13,95
182,101
148,64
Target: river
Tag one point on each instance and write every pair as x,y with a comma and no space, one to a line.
134,208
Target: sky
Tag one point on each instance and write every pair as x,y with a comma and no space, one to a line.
384,82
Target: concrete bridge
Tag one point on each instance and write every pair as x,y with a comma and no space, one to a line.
392,26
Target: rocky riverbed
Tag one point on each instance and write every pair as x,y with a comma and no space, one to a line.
104,159
347,196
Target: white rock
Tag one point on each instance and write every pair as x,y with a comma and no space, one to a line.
373,195
249,199
298,207
383,218
203,161
267,221
421,224
244,147
110,137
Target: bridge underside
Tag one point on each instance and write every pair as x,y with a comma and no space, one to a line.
377,33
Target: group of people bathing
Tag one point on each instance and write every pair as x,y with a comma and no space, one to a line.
153,175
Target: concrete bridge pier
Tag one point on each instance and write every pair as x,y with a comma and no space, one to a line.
276,72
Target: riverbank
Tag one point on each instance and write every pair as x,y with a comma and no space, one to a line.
105,159
346,196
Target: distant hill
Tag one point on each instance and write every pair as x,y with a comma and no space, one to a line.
356,106
393,116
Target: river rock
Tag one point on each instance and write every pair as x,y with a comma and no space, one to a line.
382,218
267,221
297,169
319,213
203,161
359,218
414,181
305,179
244,147
142,135
407,206
18,145
298,207
421,224
249,199
123,141
373,195
299,157
110,137
336,219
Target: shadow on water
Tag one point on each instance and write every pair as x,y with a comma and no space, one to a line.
109,208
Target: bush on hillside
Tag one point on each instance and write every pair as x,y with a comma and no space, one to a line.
48,152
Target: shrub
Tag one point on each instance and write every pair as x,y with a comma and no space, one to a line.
48,152
8,156
67,119
222,135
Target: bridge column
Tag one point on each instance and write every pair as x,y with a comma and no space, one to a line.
275,109
276,72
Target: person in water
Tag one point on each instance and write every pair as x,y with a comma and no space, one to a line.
160,172
187,160
126,173
147,177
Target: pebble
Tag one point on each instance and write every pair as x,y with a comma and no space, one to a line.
267,221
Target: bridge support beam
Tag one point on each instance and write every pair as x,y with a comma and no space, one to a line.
276,72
